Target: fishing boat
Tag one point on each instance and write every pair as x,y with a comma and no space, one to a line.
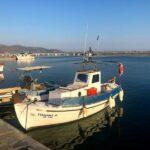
86,96
1,67
31,88
24,57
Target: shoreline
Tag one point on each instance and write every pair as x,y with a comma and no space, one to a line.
96,54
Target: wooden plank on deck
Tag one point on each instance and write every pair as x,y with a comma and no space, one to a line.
8,90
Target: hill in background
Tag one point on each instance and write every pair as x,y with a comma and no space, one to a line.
19,49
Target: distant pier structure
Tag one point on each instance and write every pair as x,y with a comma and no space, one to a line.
9,56
58,54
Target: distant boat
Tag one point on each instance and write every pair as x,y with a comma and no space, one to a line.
1,67
24,56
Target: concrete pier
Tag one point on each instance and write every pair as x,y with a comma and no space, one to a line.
13,139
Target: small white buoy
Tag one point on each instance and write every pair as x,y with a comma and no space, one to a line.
121,95
111,102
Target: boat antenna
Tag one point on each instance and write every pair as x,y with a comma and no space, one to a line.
98,42
85,41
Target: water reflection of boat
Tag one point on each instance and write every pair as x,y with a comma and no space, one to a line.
1,76
69,135
25,61
1,67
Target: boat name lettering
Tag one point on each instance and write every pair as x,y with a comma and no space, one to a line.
47,115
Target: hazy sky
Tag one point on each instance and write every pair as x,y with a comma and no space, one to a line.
121,24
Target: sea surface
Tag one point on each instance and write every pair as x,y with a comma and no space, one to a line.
127,126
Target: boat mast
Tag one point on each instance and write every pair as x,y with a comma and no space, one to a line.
85,41
98,42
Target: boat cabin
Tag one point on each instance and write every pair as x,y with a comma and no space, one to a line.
90,78
86,83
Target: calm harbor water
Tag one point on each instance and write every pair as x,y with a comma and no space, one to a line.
126,126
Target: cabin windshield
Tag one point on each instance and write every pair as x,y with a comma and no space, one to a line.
82,78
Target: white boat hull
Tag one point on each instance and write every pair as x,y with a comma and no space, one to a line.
36,115
25,58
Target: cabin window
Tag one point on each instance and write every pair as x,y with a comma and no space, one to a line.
95,78
82,78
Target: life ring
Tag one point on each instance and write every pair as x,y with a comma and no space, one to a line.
120,68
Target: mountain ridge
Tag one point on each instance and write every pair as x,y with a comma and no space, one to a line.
20,48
